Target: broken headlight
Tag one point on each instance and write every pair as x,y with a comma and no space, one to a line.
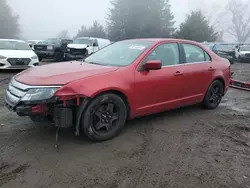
37,94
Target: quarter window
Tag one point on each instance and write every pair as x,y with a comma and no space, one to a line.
207,57
195,54
168,54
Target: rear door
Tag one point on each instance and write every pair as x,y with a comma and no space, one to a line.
198,72
157,90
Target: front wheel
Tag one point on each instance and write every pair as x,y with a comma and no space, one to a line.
104,117
214,95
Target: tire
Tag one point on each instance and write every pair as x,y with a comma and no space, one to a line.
240,59
212,98
40,59
98,111
58,57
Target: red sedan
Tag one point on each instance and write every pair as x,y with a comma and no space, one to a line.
122,81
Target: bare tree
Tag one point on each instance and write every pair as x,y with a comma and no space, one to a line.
215,14
239,20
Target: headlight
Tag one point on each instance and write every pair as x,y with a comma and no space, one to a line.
34,57
2,57
39,94
49,47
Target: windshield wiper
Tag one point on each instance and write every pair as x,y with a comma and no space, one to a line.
95,63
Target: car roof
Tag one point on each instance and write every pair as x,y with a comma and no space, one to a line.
14,40
159,40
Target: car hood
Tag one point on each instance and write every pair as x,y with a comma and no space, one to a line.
61,73
17,53
77,46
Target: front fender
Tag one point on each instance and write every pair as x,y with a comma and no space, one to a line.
93,86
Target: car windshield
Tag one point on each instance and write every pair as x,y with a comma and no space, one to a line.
14,45
224,47
245,48
40,42
120,53
52,41
83,41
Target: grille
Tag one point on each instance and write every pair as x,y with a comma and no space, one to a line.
19,61
40,47
247,55
77,51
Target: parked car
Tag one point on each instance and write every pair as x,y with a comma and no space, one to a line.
16,54
32,43
122,81
84,46
53,48
243,53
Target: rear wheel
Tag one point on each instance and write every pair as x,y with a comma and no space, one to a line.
104,117
214,95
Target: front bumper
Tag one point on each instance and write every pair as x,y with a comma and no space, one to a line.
4,64
16,91
45,54
245,58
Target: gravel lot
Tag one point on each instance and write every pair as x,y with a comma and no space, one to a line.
188,147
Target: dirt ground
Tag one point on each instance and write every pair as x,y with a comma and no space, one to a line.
188,147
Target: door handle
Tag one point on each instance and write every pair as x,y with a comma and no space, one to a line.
211,69
178,73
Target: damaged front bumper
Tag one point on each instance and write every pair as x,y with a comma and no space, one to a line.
63,111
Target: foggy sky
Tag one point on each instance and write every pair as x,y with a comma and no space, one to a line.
40,19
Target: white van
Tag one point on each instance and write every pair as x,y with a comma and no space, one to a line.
16,54
84,46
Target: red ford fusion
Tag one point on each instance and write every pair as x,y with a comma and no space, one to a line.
122,81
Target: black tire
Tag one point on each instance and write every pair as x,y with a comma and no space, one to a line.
240,59
58,56
98,112
214,95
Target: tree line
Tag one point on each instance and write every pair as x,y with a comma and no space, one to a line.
151,18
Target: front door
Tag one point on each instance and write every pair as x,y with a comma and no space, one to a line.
157,90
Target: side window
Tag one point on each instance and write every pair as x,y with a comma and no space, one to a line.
193,53
168,54
95,43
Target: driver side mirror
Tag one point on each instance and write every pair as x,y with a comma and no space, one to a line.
153,65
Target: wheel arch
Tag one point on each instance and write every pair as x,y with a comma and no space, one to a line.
120,94
219,78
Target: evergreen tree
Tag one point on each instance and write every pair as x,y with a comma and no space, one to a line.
95,30
8,22
140,19
196,27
